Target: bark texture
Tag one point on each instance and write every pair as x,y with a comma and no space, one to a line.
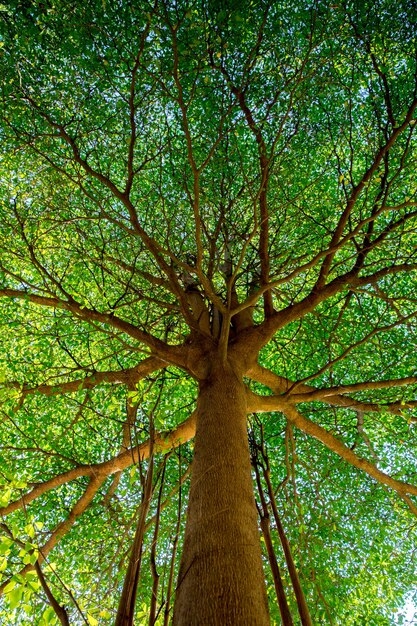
221,581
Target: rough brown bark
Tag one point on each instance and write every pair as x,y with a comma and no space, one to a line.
298,590
279,587
127,602
221,581
60,611
266,531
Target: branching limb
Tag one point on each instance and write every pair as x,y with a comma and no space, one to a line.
163,443
272,403
283,386
322,394
60,611
173,354
62,529
251,340
359,188
123,377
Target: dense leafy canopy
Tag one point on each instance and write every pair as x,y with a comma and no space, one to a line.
177,173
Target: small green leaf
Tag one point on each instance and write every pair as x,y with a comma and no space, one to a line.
49,615
11,585
15,597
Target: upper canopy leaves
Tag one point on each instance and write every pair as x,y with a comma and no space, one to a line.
187,179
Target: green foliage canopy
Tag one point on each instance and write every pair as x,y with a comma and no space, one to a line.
261,157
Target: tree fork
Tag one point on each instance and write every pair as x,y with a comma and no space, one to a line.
221,581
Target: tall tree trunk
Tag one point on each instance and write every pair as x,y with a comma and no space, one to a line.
221,581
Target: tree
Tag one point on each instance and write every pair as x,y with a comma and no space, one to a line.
208,216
